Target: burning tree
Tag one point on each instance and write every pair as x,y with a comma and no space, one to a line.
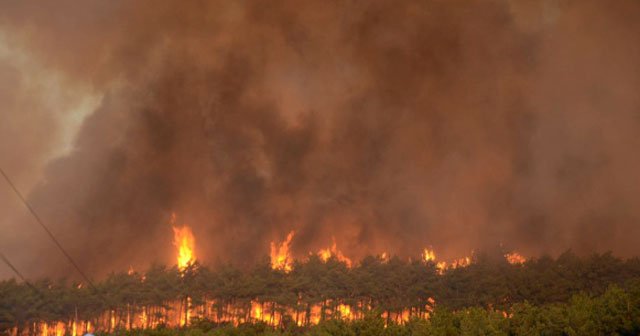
313,291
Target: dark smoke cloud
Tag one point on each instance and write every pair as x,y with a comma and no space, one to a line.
389,125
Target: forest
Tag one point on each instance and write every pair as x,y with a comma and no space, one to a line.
568,295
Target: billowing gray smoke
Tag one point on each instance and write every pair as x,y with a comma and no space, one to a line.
391,125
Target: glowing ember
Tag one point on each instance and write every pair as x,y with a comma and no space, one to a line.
280,255
515,258
185,243
326,254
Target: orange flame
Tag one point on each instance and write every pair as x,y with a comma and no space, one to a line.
514,258
326,254
345,312
461,262
185,243
428,255
280,256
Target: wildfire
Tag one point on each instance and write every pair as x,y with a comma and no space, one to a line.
345,312
280,255
326,254
461,262
428,255
180,312
185,243
52,329
514,258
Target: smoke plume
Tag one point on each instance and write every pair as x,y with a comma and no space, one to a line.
389,125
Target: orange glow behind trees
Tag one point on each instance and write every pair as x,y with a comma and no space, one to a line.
514,258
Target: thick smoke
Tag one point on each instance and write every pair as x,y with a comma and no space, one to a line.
391,125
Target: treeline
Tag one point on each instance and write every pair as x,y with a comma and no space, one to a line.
387,288
616,312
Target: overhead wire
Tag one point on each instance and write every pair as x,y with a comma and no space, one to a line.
49,233
38,292
15,270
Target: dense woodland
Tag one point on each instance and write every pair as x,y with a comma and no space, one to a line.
616,312
599,291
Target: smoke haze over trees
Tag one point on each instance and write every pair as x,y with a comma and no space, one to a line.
389,125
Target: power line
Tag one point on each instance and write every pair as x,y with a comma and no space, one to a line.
35,215
38,292
15,270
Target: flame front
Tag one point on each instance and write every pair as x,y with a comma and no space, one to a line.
280,254
180,312
185,243
429,255
326,254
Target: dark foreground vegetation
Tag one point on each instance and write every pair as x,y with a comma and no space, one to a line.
596,295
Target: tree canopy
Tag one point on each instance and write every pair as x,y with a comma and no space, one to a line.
598,294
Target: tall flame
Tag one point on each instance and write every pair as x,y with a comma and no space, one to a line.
326,254
428,255
280,255
185,243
